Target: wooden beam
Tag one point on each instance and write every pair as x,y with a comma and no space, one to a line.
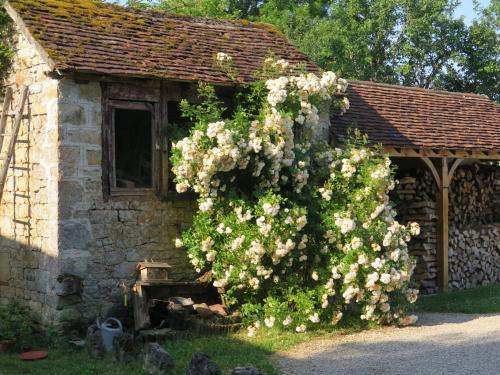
434,171
5,109
408,152
453,168
443,177
443,234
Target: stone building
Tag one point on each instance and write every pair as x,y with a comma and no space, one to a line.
88,193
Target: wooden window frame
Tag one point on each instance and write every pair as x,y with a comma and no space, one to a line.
139,95
108,131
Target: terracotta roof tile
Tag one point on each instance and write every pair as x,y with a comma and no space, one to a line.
92,37
401,116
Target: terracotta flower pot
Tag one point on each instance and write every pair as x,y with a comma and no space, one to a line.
6,345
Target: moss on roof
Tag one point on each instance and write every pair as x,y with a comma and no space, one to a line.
94,37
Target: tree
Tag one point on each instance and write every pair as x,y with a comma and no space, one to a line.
5,41
478,65
411,42
350,37
430,40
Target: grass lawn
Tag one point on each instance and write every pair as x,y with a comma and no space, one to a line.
485,299
227,351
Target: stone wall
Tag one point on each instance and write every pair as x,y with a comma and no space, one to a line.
28,211
55,224
102,240
474,226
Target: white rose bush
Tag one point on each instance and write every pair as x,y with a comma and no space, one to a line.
296,233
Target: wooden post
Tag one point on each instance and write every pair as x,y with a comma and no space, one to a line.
442,254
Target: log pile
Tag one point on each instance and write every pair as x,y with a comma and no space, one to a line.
474,246
474,256
474,238
415,201
472,195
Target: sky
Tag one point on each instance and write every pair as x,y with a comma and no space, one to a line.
466,9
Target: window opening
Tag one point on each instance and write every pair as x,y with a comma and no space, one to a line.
133,151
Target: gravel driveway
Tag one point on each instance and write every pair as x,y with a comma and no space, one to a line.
438,344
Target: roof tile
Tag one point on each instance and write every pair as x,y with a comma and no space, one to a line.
94,37
401,116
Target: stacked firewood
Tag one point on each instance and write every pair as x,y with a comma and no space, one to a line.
474,241
472,195
474,256
415,201
474,238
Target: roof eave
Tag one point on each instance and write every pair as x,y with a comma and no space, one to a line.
26,33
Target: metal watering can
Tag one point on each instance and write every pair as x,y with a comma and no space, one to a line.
108,332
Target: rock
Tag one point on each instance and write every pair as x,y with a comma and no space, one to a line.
124,348
68,285
93,342
218,309
201,364
203,310
157,361
246,371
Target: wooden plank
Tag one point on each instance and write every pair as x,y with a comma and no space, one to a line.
141,309
146,91
434,153
5,109
442,255
13,137
434,171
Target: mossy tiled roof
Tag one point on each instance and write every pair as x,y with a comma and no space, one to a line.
92,37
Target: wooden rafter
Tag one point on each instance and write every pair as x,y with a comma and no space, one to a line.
440,153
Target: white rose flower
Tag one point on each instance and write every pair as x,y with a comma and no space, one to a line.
269,322
385,278
300,329
314,318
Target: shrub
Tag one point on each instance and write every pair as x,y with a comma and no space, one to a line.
295,231
15,324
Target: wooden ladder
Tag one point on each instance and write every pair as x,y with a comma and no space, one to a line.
5,161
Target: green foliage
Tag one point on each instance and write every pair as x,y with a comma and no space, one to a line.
477,66
411,42
5,41
293,231
15,324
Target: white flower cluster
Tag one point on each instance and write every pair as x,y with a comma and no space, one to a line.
353,252
223,57
270,143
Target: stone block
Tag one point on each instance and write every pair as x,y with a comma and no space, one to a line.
4,267
201,364
70,193
74,235
72,114
70,155
157,361
125,349
93,157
